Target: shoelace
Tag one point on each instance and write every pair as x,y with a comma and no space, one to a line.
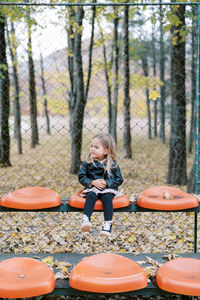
106,225
85,219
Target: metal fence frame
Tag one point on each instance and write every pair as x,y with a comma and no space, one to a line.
197,4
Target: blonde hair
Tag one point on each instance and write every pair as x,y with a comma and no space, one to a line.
108,143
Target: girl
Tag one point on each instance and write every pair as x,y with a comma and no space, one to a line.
101,176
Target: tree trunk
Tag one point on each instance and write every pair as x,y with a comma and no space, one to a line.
108,87
32,90
70,39
44,96
191,181
77,100
127,118
155,109
17,107
77,113
90,50
191,178
4,99
113,128
146,73
193,82
177,156
77,95
162,78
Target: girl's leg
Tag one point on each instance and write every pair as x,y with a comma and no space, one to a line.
107,206
91,198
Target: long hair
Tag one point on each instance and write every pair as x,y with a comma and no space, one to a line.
108,143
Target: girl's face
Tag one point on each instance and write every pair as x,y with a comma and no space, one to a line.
97,150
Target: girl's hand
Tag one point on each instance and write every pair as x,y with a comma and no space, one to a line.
99,183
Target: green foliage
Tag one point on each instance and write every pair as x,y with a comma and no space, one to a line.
14,13
154,95
3,68
97,106
173,20
54,106
139,81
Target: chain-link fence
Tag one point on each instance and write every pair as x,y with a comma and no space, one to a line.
72,77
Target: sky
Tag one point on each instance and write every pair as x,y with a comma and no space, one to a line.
48,36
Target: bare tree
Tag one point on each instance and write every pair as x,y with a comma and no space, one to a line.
12,42
155,109
78,93
4,99
177,155
193,82
32,87
45,103
113,128
162,78
127,118
146,73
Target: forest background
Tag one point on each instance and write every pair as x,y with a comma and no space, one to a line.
69,72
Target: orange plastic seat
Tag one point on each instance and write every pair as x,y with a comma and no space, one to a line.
25,277
31,198
166,198
180,276
107,273
77,201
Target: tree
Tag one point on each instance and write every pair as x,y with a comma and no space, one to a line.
78,94
193,81
146,73
107,68
127,118
12,42
113,126
154,74
4,98
32,86
45,103
112,68
177,155
162,78
191,177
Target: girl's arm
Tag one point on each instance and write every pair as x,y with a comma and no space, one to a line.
99,183
83,177
116,179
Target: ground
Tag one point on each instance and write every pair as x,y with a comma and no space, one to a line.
48,165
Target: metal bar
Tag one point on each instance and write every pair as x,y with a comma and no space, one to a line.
197,123
62,286
195,231
65,207
197,102
96,4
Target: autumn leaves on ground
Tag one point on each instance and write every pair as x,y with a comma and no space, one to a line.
48,165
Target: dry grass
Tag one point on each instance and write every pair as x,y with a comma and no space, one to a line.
48,165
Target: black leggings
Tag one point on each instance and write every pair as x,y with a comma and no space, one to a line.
91,198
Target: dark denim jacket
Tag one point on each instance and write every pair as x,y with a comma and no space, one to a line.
96,170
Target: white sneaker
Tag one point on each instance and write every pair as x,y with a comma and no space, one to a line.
86,225
106,228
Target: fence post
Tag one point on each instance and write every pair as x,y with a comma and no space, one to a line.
197,182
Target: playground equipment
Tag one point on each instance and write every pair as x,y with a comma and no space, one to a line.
103,273
79,202
22,277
